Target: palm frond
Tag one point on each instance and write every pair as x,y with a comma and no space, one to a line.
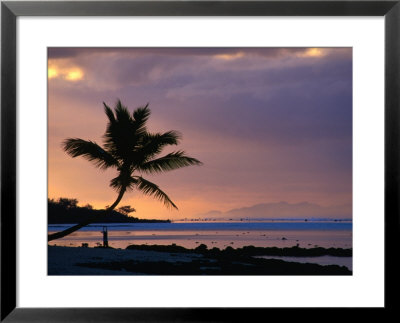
125,132
89,150
149,188
168,162
109,113
153,144
122,113
141,115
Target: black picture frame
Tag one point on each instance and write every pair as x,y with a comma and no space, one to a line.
10,10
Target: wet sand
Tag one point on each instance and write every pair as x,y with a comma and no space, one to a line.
109,261
65,260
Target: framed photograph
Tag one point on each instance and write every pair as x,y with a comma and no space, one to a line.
198,161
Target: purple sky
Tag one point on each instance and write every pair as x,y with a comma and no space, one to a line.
269,124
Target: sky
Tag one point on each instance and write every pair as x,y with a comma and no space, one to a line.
270,125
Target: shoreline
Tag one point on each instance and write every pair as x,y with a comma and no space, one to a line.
237,235
176,260
250,250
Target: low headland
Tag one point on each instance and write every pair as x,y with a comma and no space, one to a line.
67,211
177,260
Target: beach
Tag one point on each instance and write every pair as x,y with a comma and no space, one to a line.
176,260
64,260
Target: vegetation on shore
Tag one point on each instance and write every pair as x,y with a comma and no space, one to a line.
67,211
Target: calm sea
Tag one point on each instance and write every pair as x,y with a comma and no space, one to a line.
215,234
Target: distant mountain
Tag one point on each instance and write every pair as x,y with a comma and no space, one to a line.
211,214
284,210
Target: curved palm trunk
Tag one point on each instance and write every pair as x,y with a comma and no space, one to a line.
61,234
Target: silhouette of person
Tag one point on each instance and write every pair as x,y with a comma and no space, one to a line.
105,237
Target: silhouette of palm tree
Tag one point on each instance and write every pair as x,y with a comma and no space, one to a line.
131,150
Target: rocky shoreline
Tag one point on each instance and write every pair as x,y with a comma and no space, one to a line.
176,260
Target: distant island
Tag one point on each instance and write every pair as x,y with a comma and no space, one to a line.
67,211
282,210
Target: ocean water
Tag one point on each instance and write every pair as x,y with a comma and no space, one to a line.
214,234
323,260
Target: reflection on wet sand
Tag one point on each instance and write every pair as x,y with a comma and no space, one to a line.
219,239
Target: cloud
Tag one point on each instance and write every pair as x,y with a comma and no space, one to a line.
278,52
268,123
194,69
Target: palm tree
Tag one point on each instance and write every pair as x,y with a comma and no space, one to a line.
132,151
